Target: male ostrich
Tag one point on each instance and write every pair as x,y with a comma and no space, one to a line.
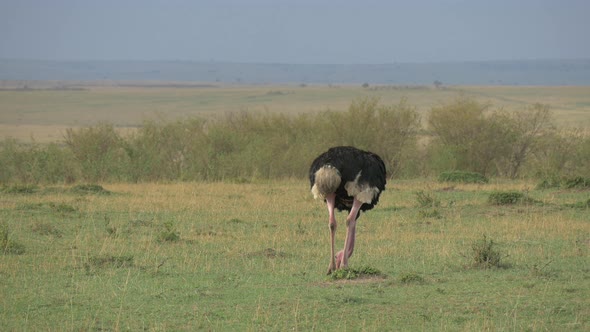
347,179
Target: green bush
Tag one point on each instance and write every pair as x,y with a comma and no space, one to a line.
462,176
355,273
84,189
505,197
100,152
549,183
243,146
425,200
566,183
390,131
411,278
168,233
35,163
484,254
577,182
471,132
468,135
561,154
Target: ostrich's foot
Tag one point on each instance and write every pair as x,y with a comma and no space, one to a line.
339,258
331,269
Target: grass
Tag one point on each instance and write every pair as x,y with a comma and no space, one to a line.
8,245
461,176
20,189
253,256
356,273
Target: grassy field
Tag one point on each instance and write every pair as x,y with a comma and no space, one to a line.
252,256
44,114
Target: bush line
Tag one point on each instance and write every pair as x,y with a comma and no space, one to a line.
462,135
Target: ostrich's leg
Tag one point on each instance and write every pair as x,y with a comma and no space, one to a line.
331,202
342,260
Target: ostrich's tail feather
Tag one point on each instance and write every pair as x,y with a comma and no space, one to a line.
327,180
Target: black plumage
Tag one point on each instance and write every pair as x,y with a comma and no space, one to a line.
350,162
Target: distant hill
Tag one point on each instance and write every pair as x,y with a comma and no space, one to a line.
524,72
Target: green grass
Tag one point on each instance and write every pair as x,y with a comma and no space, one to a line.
463,177
253,256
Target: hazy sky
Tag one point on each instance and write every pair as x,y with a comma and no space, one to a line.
295,31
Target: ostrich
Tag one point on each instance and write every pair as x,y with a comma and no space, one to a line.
347,179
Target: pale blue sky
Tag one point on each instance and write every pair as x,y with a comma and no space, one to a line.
305,31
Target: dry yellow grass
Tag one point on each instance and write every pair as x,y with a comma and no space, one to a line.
287,204
43,114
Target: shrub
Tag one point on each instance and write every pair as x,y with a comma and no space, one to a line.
505,197
488,142
426,200
474,136
563,153
526,129
99,151
90,189
411,278
36,163
549,183
463,134
462,176
430,213
168,234
178,150
577,182
484,254
351,273
566,183
388,130
428,205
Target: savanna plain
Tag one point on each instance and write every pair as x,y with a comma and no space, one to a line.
251,254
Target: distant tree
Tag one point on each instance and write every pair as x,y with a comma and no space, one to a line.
365,85
437,84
